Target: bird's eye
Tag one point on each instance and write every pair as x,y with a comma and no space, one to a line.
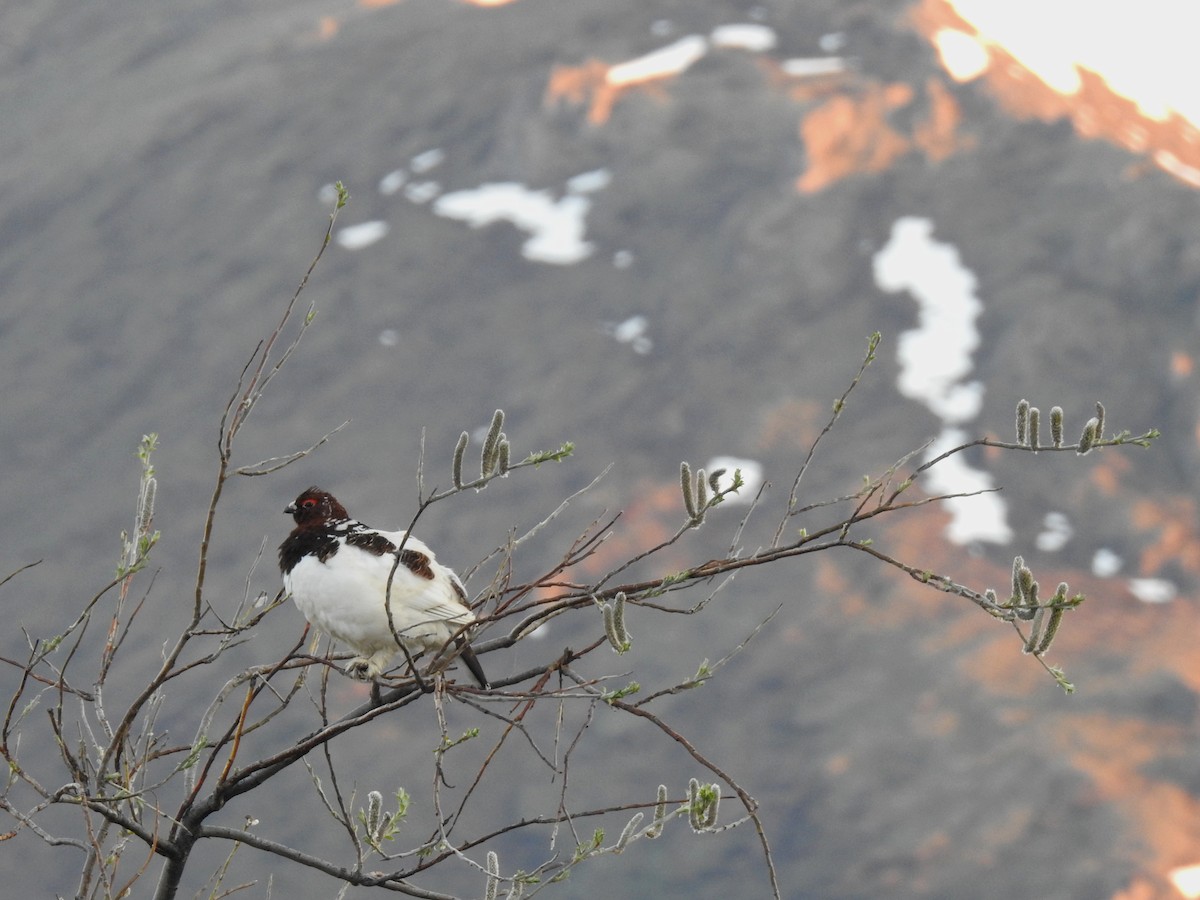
309,503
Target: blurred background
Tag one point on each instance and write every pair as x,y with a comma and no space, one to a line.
661,231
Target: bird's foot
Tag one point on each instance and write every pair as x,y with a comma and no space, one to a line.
362,669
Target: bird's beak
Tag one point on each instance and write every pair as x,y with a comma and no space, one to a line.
290,509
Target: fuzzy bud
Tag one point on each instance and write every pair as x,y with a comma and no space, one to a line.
1026,585
1029,596
1017,566
1035,627
614,624
1087,440
493,876
694,804
460,450
660,814
619,618
1056,426
373,819
1023,422
1056,615
627,832
714,480
491,444
685,485
991,599
701,490
146,510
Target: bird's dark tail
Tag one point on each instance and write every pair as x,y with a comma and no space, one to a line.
472,663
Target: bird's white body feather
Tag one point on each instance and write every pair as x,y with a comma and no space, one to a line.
345,597
338,570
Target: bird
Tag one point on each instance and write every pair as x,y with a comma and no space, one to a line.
336,570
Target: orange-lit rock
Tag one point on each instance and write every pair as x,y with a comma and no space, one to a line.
793,423
802,88
938,134
1094,109
1117,754
327,28
1107,473
852,132
849,134
1176,538
588,85
650,517
1182,365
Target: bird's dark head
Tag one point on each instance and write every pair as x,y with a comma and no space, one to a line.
316,507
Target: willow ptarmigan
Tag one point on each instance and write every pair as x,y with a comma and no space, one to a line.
336,569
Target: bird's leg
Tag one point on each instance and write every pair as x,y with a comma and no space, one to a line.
368,668
412,667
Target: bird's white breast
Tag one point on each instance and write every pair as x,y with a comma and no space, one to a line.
345,597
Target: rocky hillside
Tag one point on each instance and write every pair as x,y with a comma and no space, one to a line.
657,231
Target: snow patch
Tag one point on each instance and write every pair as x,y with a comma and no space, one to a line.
556,228
355,237
392,182
632,332
669,60
1106,563
935,356
589,182
755,38
813,67
1056,532
935,360
963,56
1152,590
752,476
420,192
430,159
